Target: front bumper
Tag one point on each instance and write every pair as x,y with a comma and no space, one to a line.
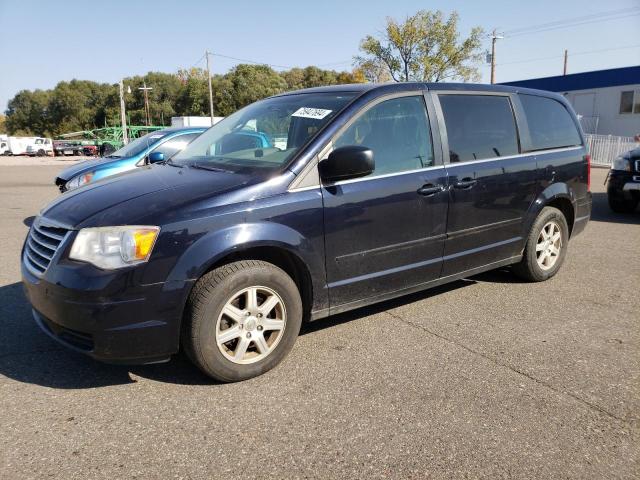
623,185
107,316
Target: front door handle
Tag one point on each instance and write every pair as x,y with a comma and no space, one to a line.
430,189
465,183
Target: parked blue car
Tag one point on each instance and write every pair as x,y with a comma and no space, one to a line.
163,144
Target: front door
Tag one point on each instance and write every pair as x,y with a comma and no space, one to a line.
491,185
385,232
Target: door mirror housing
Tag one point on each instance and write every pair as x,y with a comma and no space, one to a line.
348,162
155,157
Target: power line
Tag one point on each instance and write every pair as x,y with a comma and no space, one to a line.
576,21
573,55
197,62
248,61
342,62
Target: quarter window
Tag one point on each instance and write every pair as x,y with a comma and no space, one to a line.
479,127
398,133
550,123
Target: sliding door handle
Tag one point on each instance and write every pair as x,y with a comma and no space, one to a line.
430,189
465,183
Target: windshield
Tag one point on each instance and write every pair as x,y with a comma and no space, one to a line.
263,135
138,145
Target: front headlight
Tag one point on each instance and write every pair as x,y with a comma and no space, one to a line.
621,163
79,180
114,247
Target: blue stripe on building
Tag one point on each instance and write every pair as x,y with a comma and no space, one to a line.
583,81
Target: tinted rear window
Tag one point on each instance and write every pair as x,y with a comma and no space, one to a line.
479,127
550,123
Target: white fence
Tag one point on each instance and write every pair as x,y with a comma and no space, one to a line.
604,148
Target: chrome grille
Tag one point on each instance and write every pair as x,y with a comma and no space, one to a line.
42,244
637,165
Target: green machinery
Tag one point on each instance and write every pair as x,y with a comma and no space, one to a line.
112,135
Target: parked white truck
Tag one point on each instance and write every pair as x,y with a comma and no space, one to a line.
26,146
40,147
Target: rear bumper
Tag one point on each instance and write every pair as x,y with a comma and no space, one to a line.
139,325
583,214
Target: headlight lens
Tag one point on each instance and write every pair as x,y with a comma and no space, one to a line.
114,247
79,180
621,163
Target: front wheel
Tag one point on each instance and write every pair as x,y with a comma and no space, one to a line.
242,319
546,247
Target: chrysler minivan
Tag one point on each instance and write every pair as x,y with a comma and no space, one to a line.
373,192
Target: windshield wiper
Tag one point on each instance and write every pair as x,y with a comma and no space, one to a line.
168,161
113,156
208,167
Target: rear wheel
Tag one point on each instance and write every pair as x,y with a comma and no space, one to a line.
242,319
546,246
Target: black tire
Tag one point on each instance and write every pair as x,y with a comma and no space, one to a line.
528,268
208,298
40,153
620,205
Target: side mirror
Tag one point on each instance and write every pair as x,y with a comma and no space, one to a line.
343,163
155,157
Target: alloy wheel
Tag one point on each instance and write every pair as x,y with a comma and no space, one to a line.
250,325
549,245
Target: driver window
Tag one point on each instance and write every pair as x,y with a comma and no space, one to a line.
398,133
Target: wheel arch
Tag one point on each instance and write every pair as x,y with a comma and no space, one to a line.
268,241
557,195
280,256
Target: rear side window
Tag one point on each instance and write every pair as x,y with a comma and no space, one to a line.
479,127
550,123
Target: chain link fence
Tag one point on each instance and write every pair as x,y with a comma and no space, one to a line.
604,148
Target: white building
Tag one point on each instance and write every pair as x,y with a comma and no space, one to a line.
606,101
193,121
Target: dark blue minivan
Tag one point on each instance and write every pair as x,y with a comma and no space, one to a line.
354,194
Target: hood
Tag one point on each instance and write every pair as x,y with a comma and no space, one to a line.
633,154
84,167
167,182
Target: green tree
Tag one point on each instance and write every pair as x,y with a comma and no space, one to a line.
424,47
243,85
193,98
311,76
27,113
3,127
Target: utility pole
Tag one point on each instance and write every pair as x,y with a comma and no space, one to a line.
494,37
566,57
123,116
147,112
206,53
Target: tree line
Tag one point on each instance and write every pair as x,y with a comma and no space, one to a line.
426,46
85,105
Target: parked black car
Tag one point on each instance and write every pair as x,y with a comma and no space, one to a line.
623,182
374,191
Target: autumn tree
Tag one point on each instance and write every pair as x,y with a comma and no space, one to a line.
423,47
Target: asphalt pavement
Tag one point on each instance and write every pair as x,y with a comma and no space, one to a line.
488,377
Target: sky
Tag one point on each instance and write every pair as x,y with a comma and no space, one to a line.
44,42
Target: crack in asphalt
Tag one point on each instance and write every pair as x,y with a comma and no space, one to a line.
587,403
